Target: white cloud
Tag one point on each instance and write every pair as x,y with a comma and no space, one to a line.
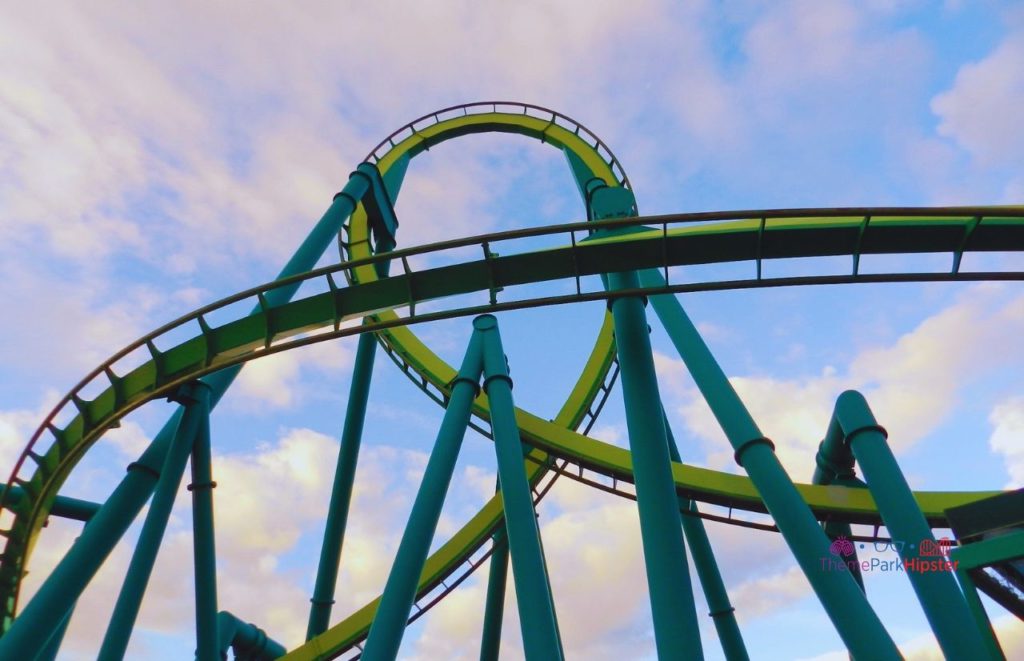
1007,438
911,385
977,112
274,380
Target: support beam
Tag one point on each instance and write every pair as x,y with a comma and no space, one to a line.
195,397
940,596
385,636
533,593
341,492
247,641
851,614
721,610
203,543
494,610
834,464
668,578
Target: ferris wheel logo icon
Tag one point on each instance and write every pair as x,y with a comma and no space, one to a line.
841,546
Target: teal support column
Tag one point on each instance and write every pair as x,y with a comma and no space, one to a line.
533,593
52,602
494,610
851,614
721,610
49,652
31,630
203,542
195,398
246,640
937,590
385,636
834,464
668,579
341,492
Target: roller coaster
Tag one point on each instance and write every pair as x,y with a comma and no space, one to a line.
378,292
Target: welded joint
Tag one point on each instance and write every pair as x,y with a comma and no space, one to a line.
190,393
720,612
499,377
848,439
464,379
145,468
201,486
746,445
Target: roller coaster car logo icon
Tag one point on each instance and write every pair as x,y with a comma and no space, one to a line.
841,546
936,548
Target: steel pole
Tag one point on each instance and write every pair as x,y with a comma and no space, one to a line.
721,610
385,636
851,614
203,543
494,610
341,492
126,610
937,590
533,593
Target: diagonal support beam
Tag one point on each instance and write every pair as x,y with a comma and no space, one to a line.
385,637
851,614
529,571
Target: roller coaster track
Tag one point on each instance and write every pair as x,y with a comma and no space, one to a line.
580,253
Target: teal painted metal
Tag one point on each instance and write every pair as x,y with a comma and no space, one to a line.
668,579
529,571
385,635
721,610
63,506
52,647
834,464
119,630
943,602
56,596
203,541
974,556
341,492
247,641
494,608
855,621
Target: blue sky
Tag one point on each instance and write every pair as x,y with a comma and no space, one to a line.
156,157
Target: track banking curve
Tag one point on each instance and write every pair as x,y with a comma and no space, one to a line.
658,243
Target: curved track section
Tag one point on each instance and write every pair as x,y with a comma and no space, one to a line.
680,240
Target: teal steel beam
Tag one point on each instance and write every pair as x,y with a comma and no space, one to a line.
246,640
494,609
55,598
721,610
943,602
203,541
529,571
195,398
676,632
384,191
851,614
49,652
834,464
51,603
63,506
385,636
341,492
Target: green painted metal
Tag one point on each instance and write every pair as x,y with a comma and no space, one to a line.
533,591
217,353
668,578
126,609
855,621
204,549
246,640
385,635
341,492
974,556
834,464
52,647
55,598
721,610
64,507
494,606
940,597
